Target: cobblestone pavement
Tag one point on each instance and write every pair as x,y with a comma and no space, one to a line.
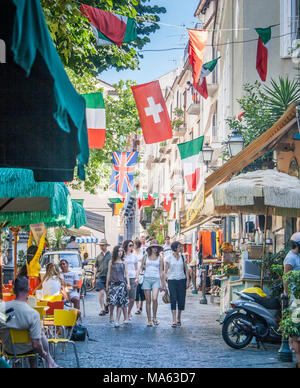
197,344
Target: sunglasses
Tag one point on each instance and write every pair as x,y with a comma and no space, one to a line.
130,245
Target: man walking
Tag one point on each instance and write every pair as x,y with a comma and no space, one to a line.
167,247
101,268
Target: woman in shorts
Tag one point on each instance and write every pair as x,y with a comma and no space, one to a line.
153,267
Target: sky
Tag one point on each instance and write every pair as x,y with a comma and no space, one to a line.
155,64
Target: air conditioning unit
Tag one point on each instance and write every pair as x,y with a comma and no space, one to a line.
249,269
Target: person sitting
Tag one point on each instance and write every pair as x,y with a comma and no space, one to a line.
25,318
72,244
53,282
72,282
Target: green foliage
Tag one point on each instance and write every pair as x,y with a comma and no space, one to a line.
263,106
290,323
281,94
179,118
56,238
158,228
273,270
76,44
122,121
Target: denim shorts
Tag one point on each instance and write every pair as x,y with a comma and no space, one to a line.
150,283
101,283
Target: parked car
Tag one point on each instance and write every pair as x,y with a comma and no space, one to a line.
72,257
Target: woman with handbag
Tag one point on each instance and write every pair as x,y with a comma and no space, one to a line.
117,285
176,275
153,282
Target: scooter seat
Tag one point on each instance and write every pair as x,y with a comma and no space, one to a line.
268,303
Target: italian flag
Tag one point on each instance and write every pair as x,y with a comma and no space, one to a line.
207,68
95,119
108,27
263,47
189,152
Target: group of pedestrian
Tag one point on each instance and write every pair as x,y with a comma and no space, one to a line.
137,272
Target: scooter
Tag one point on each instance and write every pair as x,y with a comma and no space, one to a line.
252,316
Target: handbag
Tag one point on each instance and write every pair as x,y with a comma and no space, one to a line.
79,333
166,298
141,278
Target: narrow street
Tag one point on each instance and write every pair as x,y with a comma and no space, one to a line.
198,344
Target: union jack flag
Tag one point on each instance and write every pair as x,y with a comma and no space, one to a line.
123,171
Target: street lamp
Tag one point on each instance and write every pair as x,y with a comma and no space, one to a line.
235,143
207,153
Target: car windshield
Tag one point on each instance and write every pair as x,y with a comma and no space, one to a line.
72,258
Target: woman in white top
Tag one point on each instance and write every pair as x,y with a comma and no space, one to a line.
153,268
53,282
132,266
175,273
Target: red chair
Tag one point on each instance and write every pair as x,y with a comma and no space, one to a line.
54,306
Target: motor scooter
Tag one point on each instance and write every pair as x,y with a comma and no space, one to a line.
252,316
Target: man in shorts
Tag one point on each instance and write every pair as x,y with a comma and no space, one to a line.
72,281
101,268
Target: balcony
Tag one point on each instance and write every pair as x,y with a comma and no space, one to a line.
180,131
193,103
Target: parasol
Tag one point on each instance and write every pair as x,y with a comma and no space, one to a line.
267,192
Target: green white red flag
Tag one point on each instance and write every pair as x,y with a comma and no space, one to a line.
189,152
263,47
167,201
108,27
196,49
207,68
95,119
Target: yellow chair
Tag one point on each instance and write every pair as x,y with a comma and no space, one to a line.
20,337
42,303
64,319
53,298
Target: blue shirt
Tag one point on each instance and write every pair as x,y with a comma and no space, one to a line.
293,260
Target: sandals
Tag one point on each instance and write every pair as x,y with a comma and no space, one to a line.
178,323
138,312
102,313
155,322
149,324
174,325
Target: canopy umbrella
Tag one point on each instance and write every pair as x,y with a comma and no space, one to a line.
267,192
43,123
24,201
258,192
74,219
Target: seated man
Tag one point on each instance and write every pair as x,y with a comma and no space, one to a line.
72,244
25,318
72,280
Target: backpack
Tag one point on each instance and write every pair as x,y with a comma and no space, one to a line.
79,333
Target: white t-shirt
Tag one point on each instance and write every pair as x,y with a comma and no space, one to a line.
130,261
140,258
52,286
25,318
176,268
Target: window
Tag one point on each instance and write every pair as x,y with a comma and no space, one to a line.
289,23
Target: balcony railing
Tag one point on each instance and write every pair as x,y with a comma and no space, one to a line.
193,102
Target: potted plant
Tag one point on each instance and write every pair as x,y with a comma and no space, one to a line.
230,270
290,323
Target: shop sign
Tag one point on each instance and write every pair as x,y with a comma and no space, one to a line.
196,206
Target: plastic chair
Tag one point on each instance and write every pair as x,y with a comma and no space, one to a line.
53,298
20,337
64,319
54,306
8,298
42,303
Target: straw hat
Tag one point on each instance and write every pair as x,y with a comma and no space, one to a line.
104,242
155,244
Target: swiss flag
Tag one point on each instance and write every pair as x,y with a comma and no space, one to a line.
153,113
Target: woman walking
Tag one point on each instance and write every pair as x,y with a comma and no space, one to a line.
117,286
176,276
132,265
140,295
153,267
